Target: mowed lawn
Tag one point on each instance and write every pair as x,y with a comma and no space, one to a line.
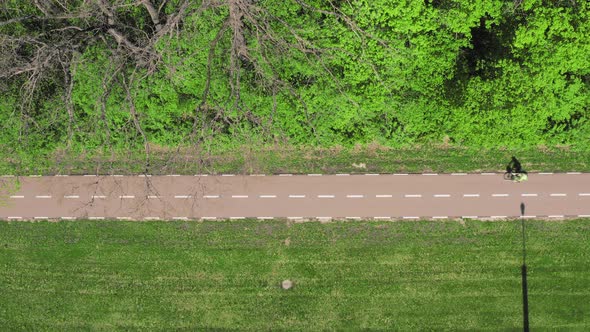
113,275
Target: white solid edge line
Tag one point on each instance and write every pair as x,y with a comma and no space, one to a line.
208,218
41,217
470,195
126,196
412,196
267,196
458,173
89,175
528,216
342,174
95,218
573,173
257,174
355,196
117,175
498,217
529,195
584,194
144,175
325,196
211,196
34,176
151,218
41,196
292,218
180,218
183,196
584,215
545,173
296,196
123,218
285,174
71,196
172,174
61,175
355,218
500,195
227,174
381,217
323,218
17,196
68,218
201,175
442,195
400,174
371,174
556,216
440,217
558,195
411,217
14,217
264,218
239,196
429,174
236,218
314,174
383,196
469,217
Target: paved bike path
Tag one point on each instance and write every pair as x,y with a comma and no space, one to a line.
371,196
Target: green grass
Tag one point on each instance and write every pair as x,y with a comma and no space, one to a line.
296,160
89,275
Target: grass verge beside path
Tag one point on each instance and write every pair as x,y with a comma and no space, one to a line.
104,275
302,160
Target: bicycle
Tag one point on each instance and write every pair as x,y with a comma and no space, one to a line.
515,177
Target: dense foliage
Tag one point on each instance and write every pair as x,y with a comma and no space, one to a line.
474,73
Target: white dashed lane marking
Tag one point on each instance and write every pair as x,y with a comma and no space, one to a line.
355,196
371,174
98,196
584,194
296,196
211,196
151,218
43,196
153,196
239,196
341,174
400,174
573,173
17,196
411,217
440,217
458,173
556,216
126,196
558,195
208,218
412,196
180,218
500,195
384,218
384,196
529,195
442,195
469,217
285,174
430,174
71,196
227,174
41,218
237,218
470,195
68,218
314,174
183,196
96,218
325,196
545,173
15,217
264,218
268,196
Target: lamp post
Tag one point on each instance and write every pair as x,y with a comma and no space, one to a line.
525,298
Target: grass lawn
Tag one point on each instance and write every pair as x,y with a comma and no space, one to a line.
273,160
105,275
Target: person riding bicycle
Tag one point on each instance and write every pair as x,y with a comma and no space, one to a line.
514,169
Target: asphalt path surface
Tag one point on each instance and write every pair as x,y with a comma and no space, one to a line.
312,196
